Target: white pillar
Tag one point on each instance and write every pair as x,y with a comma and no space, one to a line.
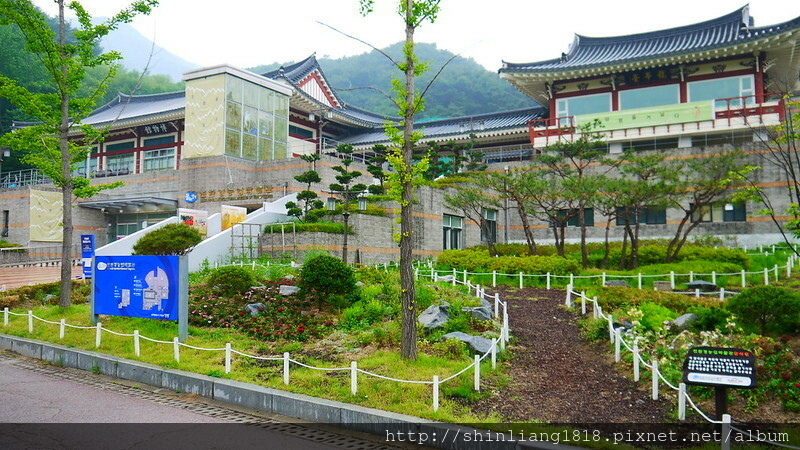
61,328
228,357
176,347
654,375
682,401
286,368
136,347
635,361
98,335
353,377
477,373
436,392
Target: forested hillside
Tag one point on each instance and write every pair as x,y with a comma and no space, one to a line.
22,66
464,87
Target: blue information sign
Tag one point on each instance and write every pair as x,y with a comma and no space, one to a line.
137,286
87,251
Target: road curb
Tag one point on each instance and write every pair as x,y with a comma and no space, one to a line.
344,415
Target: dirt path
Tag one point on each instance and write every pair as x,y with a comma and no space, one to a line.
558,377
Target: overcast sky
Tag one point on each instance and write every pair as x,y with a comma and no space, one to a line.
246,33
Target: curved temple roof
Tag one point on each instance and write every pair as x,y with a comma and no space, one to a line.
728,35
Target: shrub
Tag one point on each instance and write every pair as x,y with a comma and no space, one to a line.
231,280
654,315
328,275
709,318
480,260
172,239
767,310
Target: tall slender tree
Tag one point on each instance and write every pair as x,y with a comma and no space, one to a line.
61,110
409,102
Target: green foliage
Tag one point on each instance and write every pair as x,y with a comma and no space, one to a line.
315,227
612,298
231,280
654,315
172,239
709,318
328,276
362,314
478,260
488,93
768,310
5,244
651,254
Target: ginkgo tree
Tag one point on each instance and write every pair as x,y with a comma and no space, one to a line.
68,99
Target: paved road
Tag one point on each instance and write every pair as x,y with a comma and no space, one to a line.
43,406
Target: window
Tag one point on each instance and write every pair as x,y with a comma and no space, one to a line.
722,88
648,97
451,231
301,132
123,162
120,146
489,232
256,121
647,215
734,212
585,104
573,221
162,140
161,159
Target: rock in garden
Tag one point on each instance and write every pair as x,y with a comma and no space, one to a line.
285,290
479,344
435,316
685,321
479,312
289,277
254,308
618,283
625,325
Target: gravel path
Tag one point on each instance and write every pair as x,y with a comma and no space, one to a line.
556,376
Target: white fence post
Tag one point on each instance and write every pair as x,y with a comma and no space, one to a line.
640,280
521,282
98,337
744,279
30,321
635,360
568,301
477,373
494,278
722,294
594,306
286,368
436,392
5,316
227,357
61,328
766,277
496,305
714,276
416,273
454,277
682,401
697,293
691,276
353,377
176,347
494,353
505,322
654,363
611,328
726,432
572,279
672,280
618,344
603,278
775,269
465,276
136,348
583,305
548,284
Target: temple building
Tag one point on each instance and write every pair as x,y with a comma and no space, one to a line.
230,142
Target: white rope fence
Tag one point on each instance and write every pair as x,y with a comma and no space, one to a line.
617,339
475,366
765,276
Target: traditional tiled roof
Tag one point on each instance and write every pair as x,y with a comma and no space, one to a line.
298,72
459,128
729,35
139,108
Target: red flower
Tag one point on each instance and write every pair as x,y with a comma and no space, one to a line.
301,329
241,313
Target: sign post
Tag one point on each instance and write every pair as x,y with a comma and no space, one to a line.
146,286
720,368
87,253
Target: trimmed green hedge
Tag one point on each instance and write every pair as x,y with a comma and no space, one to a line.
313,227
479,260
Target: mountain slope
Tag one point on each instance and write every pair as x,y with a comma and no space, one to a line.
463,87
136,50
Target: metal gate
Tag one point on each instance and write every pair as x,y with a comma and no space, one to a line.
245,244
